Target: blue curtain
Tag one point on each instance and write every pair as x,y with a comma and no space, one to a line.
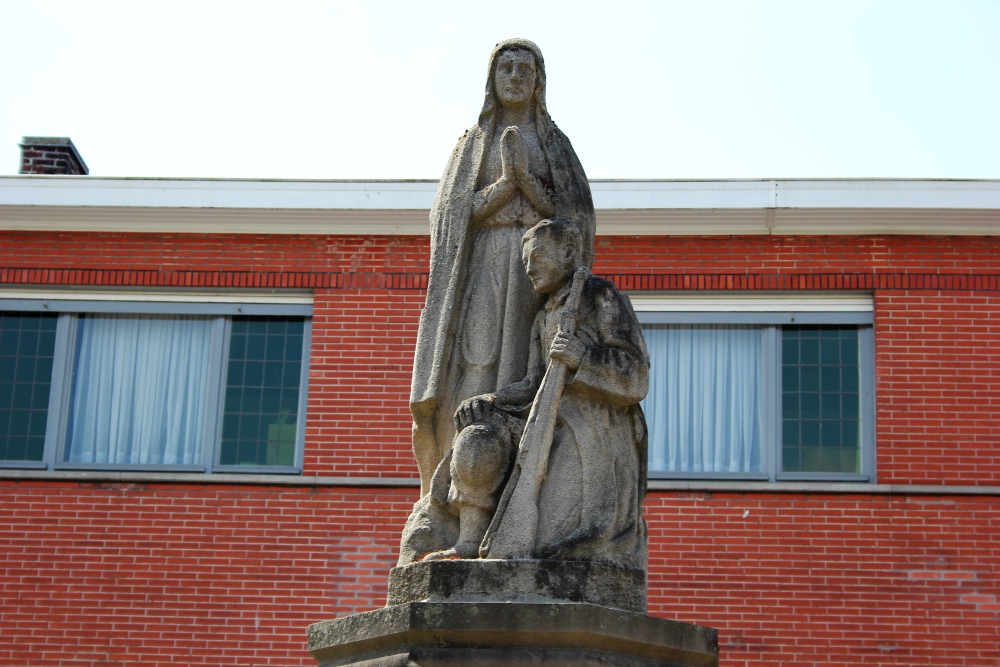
704,401
139,390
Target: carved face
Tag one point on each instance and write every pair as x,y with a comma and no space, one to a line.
515,77
548,264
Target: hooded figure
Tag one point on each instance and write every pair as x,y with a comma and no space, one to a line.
508,172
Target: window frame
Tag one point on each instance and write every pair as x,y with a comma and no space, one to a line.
771,313
221,307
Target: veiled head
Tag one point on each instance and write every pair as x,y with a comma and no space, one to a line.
514,78
503,54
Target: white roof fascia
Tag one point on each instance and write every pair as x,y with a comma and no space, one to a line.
152,294
625,207
216,193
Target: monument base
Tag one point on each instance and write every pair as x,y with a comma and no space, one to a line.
509,634
493,580
496,613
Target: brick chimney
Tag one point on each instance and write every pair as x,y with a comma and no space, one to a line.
51,155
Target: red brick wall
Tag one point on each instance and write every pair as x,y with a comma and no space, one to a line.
937,358
116,574
122,574
359,382
157,574
831,580
937,308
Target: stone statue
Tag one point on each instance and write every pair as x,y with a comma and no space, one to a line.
566,444
510,170
527,545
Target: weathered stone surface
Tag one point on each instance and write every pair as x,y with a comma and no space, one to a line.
566,443
527,545
537,581
511,169
509,634
528,370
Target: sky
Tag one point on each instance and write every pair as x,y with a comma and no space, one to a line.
707,89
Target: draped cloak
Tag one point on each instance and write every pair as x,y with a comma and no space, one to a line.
590,502
450,248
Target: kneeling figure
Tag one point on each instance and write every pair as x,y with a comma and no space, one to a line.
553,466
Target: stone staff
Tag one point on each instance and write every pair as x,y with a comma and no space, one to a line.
512,531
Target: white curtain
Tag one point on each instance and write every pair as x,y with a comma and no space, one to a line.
139,390
703,406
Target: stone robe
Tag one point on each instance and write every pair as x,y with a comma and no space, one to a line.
590,504
476,282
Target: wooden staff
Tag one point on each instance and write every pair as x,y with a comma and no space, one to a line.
514,527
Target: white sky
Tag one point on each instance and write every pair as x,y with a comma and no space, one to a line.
383,89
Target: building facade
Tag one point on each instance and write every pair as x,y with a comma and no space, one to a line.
205,437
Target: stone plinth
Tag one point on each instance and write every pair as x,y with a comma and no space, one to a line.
509,634
533,581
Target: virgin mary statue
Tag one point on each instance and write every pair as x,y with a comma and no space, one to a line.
510,170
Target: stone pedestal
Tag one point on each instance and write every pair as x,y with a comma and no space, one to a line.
512,614
492,580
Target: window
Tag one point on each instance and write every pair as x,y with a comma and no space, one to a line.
27,342
215,382
750,388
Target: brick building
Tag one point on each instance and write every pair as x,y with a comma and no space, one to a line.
827,494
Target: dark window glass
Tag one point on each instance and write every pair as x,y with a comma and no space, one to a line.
27,345
260,417
820,397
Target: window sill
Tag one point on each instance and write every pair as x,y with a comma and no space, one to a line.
165,477
655,485
812,487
